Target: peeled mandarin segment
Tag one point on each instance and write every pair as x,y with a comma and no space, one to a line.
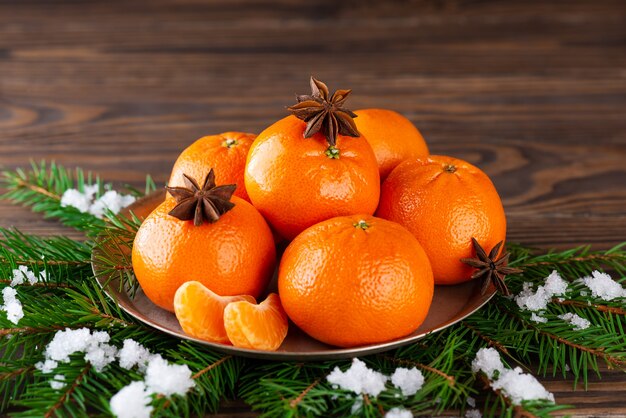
200,311
258,327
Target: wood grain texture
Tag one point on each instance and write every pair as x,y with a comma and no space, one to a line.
532,92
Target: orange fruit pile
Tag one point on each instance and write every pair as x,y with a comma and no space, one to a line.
316,178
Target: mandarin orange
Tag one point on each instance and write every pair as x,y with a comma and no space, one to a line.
231,253
356,280
444,202
259,327
294,182
200,311
313,165
226,153
392,137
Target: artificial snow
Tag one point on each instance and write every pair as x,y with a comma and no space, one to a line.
488,361
603,286
516,385
112,201
87,203
94,347
398,412
473,413
538,300
538,318
23,274
46,366
80,200
132,401
519,386
359,379
409,381
11,305
58,382
133,354
578,322
168,379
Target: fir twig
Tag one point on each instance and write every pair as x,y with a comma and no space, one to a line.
405,362
16,372
602,308
67,394
211,367
490,341
43,185
293,404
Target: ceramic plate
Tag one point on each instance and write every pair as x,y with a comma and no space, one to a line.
450,305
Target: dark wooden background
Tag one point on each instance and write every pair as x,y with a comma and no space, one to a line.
533,92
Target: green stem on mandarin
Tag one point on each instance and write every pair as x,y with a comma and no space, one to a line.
361,224
332,152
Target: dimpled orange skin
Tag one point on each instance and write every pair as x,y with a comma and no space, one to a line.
392,137
444,210
200,311
233,256
348,286
294,184
226,153
257,327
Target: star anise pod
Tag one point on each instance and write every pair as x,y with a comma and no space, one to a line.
325,113
201,204
491,269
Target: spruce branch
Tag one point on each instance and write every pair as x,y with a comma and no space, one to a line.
490,341
42,187
216,376
29,330
499,404
26,249
211,367
405,362
38,284
586,305
293,404
572,263
55,261
66,396
15,372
